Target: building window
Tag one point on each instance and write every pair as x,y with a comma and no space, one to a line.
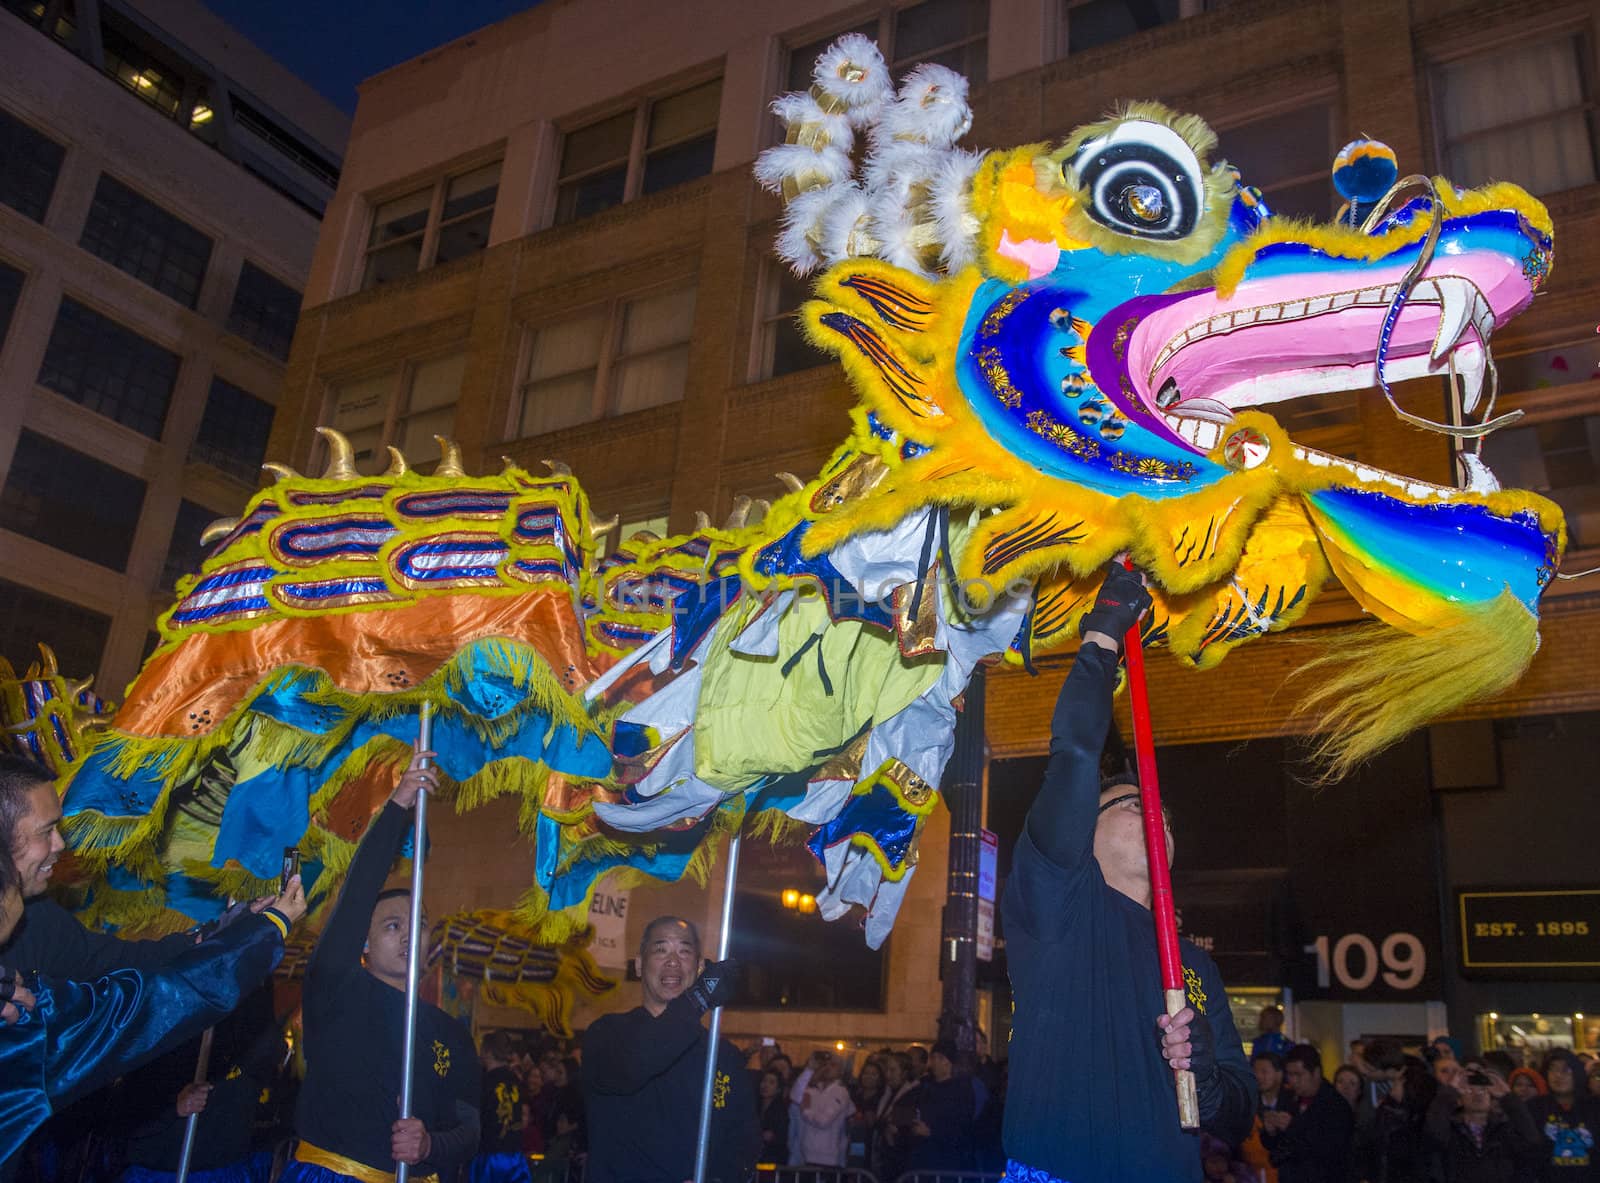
405,407
447,220
70,501
33,161
134,64
1525,112
264,311
136,235
952,33
1288,157
96,362
186,552
781,348
10,292
1559,458
654,145
233,432
622,357
1086,24
76,635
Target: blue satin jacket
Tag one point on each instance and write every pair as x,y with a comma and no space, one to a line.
83,1035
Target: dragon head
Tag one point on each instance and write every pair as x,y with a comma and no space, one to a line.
1079,342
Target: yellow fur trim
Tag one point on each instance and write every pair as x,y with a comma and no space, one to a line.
1373,686
1346,242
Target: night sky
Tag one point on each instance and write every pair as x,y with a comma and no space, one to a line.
334,46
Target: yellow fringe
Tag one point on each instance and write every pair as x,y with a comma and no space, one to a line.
1374,686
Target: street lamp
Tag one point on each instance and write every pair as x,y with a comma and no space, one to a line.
791,898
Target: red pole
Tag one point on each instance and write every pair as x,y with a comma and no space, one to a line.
1155,841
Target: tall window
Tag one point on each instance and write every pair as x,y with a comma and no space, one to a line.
653,145
70,501
1086,24
1524,111
1287,156
1554,451
405,407
233,433
32,162
136,235
781,348
94,361
10,293
437,224
76,635
264,311
952,33
618,358
185,552
138,66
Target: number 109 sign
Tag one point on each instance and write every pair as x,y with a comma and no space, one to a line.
1357,962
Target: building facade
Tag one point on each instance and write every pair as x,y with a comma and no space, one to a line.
546,243
162,188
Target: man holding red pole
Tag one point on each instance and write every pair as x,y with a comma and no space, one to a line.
1094,1052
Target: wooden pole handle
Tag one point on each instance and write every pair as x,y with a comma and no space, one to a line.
1188,1099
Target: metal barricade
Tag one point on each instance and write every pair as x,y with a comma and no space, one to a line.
950,1177
769,1173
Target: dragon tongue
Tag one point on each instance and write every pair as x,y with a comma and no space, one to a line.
1203,408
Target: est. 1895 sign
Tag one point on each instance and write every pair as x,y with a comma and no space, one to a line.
1546,932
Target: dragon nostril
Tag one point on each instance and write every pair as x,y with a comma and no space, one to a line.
1145,202
1168,395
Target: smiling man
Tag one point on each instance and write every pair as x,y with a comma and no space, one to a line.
48,939
644,1072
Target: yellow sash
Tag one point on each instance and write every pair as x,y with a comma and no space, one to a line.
327,1159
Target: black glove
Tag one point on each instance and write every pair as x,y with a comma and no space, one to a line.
1202,1048
211,928
1117,608
717,985
9,981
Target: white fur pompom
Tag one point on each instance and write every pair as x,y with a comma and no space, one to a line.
851,73
802,229
930,109
845,227
951,204
802,110
805,166
895,228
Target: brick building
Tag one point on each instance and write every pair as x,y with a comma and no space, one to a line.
160,192
546,243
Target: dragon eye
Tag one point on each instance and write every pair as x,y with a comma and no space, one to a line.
1141,179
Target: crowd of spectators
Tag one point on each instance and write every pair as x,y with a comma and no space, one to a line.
1388,1116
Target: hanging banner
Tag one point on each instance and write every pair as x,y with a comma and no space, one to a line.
988,857
608,913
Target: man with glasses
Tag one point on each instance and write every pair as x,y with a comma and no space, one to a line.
1091,1097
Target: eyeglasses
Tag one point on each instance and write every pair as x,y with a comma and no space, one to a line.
1131,802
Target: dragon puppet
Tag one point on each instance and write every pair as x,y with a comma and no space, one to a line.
1063,353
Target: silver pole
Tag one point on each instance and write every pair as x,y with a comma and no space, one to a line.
703,1144
202,1069
419,834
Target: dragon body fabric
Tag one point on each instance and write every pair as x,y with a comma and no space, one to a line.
1062,353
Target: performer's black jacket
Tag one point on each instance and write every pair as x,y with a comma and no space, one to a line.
1091,1099
247,1047
49,940
643,1078
501,1112
354,1036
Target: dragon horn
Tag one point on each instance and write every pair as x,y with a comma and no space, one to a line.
737,516
397,463
702,520
449,458
341,456
280,472
791,482
7,673
74,689
48,655
558,467
601,526
220,528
